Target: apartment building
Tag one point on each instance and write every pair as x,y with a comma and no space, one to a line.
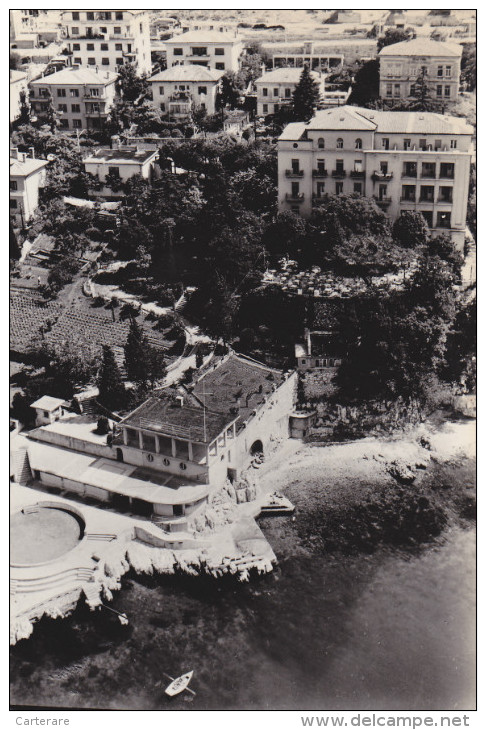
81,97
213,49
108,38
402,63
180,89
27,175
275,88
403,160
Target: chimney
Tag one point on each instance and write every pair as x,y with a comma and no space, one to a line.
180,400
14,153
31,151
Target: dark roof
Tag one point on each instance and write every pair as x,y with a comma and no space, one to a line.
233,379
164,414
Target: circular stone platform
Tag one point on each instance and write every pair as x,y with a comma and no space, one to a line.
39,534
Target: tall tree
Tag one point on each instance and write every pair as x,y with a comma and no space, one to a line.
420,92
110,384
145,365
24,109
131,86
306,96
410,229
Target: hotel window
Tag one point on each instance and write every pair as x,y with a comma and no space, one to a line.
422,144
408,193
339,188
265,108
339,143
162,107
178,52
89,16
90,46
427,193
219,66
105,61
453,144
63,124
119,61
75,108
74,93
428,215
358,145
448,71
94,92
61,92
445,194
389,90
219,51
202,89
275,90
382,191
384,167
440,71
320,143
74,31
321,165
114,171
161,90
447,92
77,60
428,169
62,107
118,47
295,189
76,47
76,123
396,91
447,170
444,219
321,189
288,93
358,188
13,203
13,185
75,16
118,16
265,91
439,90
385,143
358,166
407,144
91,61
104,47
149,443
412,89
295,166
103,30
117,30
437,144
340,166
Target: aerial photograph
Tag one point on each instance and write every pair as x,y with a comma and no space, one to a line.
242,249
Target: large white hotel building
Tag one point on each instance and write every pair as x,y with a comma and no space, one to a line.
404,160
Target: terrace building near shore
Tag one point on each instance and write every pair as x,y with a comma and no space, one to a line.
81,97
402,63
403,160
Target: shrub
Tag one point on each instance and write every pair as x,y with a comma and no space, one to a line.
103,426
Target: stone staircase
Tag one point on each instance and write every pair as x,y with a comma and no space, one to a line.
100,536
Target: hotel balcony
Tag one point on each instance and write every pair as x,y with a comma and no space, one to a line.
409,174
379,176
382,202
357,174
407,200
319,173
294,173
294,198
339,173
444,201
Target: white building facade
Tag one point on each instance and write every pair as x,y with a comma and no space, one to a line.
213,49
402,63
276,88
403,160
18,83
122,163
27,175
180,89
81,97
108,39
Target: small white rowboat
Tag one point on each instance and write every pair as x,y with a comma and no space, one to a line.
179,684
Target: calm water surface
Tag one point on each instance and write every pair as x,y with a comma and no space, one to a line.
386,631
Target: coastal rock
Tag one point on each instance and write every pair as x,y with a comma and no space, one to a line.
402,472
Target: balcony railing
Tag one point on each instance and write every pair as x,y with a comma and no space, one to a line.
380,176
294,197
409,173
424,199
319,173
404,199
382,202
428,175
444,200
357,174
339,173
294,173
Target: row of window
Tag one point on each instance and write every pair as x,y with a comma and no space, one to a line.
103,47
62,93
76,108
117,15
198,51
276,92
385,143
394,90
397,70
89,31
427,194
91,61
184,87
429,169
